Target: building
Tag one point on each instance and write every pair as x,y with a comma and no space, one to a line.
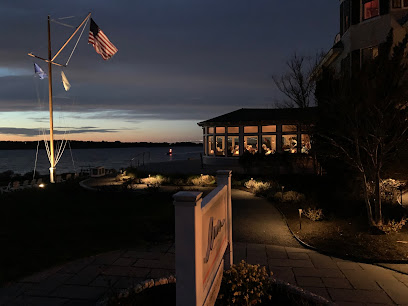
364,25
253,130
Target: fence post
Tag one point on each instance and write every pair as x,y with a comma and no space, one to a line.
224,178
188,231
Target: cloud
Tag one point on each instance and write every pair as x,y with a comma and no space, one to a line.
29,132
177,60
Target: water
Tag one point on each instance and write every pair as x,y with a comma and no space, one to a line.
23,161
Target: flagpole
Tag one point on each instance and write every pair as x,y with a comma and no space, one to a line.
52,157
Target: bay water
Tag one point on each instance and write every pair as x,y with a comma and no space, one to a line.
75,160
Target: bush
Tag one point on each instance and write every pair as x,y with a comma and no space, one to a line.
288,197
202,180
390,190
257,187
154,181
244,284
393,226
314,214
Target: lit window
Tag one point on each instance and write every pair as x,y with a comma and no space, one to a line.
396,3
210,146
210,130
289,143
306,146
268,144
269,129
289,128
251,144
250,129
370,8
220,130
233,146
399,3
233,129
220,146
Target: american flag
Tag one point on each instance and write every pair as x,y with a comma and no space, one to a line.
100,42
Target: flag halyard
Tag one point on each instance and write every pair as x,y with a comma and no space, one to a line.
100,41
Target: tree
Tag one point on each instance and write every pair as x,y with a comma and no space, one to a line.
298,85
363,118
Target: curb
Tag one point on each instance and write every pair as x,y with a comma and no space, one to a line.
149,283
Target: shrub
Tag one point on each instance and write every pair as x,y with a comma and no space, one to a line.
244,284
201,180
288,197
257,186
389,190
314,214
154,181
393,226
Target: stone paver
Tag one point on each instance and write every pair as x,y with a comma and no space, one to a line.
340,281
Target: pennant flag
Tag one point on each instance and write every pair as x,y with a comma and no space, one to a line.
39,72
100,42
65,82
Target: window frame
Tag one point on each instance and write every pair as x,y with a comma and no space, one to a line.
246,143
403,4
363,2
247,127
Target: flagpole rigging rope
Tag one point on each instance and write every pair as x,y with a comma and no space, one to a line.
61,18
80,35
36,158
64,24
72,157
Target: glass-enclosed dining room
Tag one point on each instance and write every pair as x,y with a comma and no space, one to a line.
233,141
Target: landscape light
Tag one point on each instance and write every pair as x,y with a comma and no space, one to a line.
41,185
300,218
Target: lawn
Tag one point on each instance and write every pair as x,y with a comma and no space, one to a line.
63,222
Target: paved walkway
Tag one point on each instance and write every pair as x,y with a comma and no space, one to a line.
85,281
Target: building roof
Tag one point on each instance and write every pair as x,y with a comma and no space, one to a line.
256,116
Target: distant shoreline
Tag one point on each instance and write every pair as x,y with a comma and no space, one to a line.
75,144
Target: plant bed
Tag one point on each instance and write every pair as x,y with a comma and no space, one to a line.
154,296
348,237
165,294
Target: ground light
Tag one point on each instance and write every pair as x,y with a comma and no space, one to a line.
300,218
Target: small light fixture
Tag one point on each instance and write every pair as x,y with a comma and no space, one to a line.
300,218
41,185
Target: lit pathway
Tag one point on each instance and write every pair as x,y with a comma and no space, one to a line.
256,220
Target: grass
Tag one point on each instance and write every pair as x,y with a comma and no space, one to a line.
63,222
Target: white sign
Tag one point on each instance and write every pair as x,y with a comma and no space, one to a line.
203,242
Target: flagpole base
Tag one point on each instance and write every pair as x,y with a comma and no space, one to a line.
52,172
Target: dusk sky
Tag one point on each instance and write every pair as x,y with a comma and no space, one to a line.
179,62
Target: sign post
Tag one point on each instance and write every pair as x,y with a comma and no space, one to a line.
203,231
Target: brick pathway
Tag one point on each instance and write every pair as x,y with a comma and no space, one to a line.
85,281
